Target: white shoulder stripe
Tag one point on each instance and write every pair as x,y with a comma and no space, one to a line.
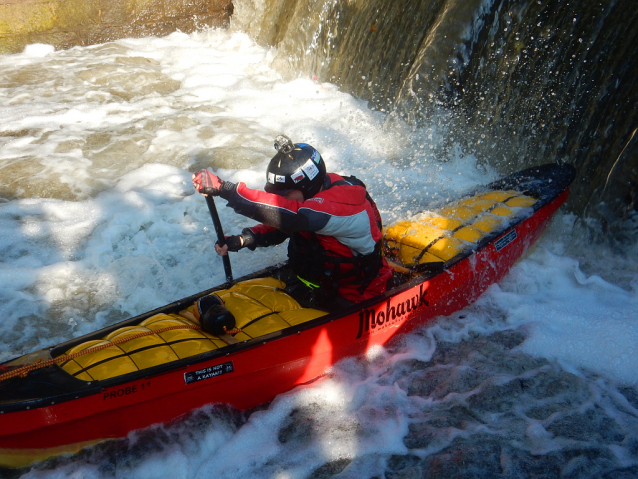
353,231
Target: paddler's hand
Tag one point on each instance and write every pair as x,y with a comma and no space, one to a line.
206,183
233,243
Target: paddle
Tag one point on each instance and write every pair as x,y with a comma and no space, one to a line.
221,239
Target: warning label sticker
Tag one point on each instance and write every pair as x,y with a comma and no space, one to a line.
208,373
502,242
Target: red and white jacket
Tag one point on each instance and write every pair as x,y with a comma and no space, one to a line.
343,217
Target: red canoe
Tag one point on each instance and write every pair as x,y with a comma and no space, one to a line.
51,409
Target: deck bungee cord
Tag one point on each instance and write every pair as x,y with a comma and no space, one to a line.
25,370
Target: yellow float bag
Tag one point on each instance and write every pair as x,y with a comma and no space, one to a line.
260,306
438,236
160,339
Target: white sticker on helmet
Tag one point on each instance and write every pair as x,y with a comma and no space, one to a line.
310,169
316,157
280,179
297,176
271,178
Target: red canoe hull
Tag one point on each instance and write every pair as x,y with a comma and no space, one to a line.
254,376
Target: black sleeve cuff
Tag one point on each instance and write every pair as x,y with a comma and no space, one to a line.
227,189
249,239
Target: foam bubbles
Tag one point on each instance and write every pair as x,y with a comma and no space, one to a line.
580,320
38,50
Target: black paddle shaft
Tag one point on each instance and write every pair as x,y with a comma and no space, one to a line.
221,239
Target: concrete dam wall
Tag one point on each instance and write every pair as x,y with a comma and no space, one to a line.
66,23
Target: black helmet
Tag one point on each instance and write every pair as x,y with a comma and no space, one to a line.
295,167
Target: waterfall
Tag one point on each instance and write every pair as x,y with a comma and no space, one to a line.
516,83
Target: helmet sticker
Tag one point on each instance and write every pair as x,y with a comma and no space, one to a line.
280,179
271,178
297,176
316,157
310,169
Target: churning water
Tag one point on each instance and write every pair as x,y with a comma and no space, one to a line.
99,222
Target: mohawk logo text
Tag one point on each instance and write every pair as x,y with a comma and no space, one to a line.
392,312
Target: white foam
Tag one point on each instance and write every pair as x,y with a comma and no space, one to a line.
581,320
38,50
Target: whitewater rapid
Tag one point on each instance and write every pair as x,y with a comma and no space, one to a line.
99,222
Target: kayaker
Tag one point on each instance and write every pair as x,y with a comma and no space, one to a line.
333,225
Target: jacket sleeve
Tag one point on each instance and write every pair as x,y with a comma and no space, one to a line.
272,210
262,236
